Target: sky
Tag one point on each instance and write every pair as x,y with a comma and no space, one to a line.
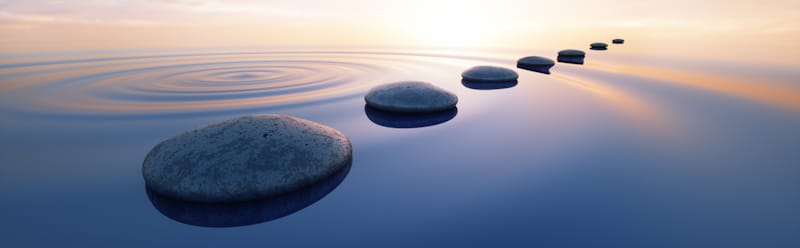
45,25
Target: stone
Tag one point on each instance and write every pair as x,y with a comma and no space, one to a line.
410,97
571,53
536,63
578,60
618,41
599,45
245,158
489,74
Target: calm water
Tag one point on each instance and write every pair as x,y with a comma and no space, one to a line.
623,151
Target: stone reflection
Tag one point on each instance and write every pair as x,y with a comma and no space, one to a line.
571,59
408,120
248,212
489,85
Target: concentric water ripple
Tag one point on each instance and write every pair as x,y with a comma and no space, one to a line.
204,84
198,84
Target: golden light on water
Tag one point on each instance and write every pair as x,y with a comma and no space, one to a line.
763,90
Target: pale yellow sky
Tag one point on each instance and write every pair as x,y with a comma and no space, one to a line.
38,25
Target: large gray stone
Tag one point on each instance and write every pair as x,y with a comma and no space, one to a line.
410,97
489,74
245,158
572,53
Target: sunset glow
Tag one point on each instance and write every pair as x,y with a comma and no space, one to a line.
36,25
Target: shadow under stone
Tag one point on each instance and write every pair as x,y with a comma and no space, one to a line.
599,48
248,212
488,85
408,120
571,59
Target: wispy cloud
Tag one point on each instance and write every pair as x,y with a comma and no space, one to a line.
166,12
399,20
235,7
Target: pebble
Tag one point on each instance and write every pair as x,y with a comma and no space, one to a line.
571,53
245,158
536,63
599,45
410,97
489,74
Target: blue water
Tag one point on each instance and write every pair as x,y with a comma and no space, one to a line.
603,154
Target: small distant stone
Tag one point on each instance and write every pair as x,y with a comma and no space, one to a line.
245,158
617,41
599,45
489,74
410,97
572,53
536,63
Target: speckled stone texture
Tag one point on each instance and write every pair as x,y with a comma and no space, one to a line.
245,158
489,74
410,97
571,53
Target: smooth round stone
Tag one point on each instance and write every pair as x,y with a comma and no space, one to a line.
599,45
535,61
617,41
410,97
489,74
245,158
571,53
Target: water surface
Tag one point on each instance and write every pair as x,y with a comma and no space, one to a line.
626,150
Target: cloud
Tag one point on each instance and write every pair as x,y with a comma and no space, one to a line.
8,16
234,7
34,13
182,2
14,20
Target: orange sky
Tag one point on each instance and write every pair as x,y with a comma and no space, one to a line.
748,27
